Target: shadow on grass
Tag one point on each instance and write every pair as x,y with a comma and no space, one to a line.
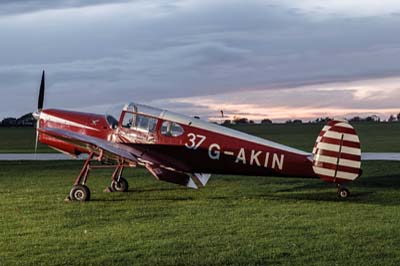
104,200
145,190
136,194
367,190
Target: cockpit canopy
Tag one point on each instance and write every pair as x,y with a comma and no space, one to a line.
115,112
144,109
144,118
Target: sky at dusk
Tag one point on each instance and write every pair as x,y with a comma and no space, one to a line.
278,59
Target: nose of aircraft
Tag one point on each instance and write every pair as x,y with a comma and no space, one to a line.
36,115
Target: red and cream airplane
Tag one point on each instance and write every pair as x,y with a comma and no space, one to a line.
186,151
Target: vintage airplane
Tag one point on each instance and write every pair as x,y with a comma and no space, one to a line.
186,151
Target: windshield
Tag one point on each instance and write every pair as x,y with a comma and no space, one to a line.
112,122
113,113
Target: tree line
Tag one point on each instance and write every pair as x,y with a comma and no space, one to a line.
319,120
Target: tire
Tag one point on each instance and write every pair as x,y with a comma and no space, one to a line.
120,186
343,193
80,193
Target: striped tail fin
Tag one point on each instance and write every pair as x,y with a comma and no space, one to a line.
337,153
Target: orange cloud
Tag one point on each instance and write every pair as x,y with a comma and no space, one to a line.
340,100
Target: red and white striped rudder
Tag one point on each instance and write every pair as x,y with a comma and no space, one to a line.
337,153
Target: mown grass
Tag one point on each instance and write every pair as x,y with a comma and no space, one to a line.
234,220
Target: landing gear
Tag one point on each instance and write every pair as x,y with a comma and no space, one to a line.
120,185
80,193
342,192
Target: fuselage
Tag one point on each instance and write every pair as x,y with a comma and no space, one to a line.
183,143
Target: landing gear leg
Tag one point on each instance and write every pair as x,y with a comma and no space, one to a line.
342,192
118,183
80,192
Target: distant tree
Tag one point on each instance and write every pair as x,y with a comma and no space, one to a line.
251,122
392,118
227,122
368,119
289,121
376,118
372,118
326,119
322,120
266,121
398,117
239,120
355,119
297,121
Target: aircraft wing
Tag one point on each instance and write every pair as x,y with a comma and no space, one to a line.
380,156
116,151
112,150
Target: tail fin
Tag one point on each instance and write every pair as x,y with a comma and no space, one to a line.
337,153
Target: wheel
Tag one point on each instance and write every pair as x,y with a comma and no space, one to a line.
80,193
120,186
343,193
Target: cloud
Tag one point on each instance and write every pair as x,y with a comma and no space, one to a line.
12,7
98,53
354,8
340,100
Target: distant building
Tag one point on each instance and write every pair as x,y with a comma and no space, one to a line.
26,120
9,122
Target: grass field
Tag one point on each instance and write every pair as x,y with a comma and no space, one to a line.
19,140
235,220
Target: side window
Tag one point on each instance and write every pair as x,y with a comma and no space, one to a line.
152,124
145,123
129,120
142,122
171,129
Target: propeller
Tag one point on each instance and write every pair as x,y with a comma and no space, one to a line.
36,114
41,93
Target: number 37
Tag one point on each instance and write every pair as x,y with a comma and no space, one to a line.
194,141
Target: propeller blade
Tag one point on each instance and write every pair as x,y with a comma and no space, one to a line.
37,137
36,114
41,93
